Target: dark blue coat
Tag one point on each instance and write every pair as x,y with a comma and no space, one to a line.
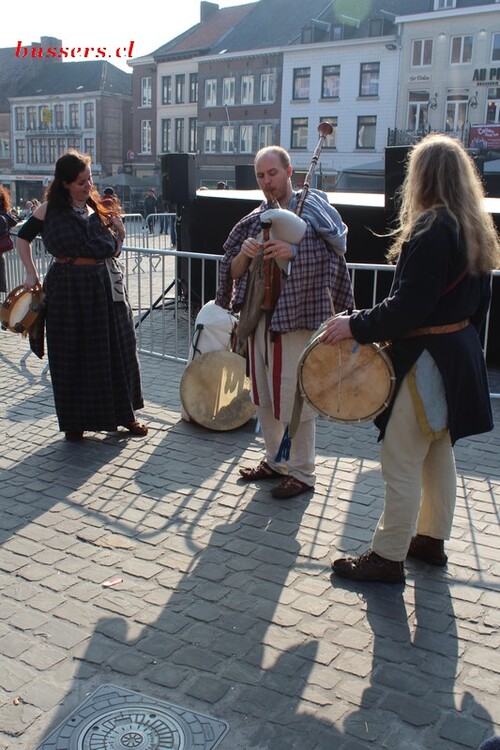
425,292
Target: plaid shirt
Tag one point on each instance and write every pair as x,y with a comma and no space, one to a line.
304,302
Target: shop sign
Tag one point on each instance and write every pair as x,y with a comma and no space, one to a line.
484,136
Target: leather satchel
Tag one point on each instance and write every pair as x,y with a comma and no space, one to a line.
251,308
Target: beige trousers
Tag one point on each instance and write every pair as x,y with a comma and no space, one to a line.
273,367
420,482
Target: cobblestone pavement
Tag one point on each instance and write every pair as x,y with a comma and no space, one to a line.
227,606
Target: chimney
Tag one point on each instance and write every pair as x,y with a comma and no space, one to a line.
207,10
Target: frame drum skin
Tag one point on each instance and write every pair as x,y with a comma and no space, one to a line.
215,391
345,382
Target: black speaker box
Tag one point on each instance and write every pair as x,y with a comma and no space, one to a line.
395,170
178,178
244,177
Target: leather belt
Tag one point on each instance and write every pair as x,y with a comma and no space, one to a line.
81,261
433,330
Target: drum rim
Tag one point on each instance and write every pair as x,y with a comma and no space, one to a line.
8,305
385,358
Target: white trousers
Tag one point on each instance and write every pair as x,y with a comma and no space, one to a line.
420,482
273,368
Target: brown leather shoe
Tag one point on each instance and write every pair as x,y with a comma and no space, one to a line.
369,567
290,487
428,549
261,471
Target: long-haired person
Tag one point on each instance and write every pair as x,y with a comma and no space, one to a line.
446,246
91,340
7,220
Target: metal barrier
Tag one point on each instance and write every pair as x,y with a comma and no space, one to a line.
167,288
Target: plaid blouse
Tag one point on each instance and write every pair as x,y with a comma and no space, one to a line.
316,272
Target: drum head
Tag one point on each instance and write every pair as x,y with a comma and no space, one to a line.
346,382
215,391
19,310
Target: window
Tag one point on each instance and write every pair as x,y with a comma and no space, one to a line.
421,53
88,114
330,82
365,133
180,81
265,136
493,106
35,151
179,134
246,134
44,151
227,139
44,117
193,88
369,79
456,109
211,92
267,88
166,135
192,135
31,114
146,91
444,4
166,89
74,143
21,151
461,49
88,146
19,119
299,132
52,150
59,116
210,140
61,146
228,87
418,110
330,140
301,83
74,116
495,48
145,136
247,89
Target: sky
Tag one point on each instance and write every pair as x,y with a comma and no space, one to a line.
105,25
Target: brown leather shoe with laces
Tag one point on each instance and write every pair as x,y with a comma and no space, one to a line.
369,567
290,487
261,471
428,549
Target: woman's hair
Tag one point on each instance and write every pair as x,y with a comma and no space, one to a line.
4,200
67,169
440,174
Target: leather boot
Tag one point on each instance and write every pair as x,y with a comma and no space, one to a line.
428,549
369,567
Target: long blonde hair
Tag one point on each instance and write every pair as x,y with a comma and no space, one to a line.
441,174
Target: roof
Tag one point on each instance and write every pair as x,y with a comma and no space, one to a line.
201,37
78,77
272,23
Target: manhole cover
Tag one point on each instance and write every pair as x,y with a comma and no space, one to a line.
113,718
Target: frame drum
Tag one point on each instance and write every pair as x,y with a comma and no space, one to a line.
345,382
20,310
215,391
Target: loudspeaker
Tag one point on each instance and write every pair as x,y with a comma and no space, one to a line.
178,178
244,177
395,170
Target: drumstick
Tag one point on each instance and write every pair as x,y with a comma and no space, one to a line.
329,292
